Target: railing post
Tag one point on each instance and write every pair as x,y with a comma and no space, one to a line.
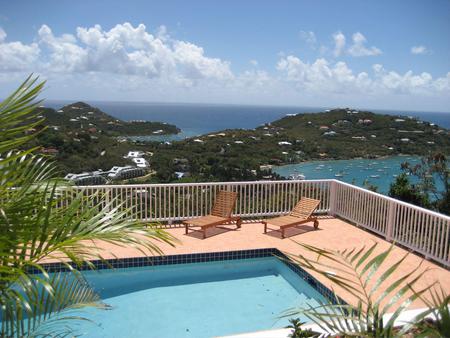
390,221
333,198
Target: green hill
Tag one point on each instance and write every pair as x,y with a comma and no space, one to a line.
337,134
82,137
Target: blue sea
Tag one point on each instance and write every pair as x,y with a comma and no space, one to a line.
198,119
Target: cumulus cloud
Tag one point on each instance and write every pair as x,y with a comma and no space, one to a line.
321,76
131,63
124,49
16,56
358,47
339,43
309,37
419,50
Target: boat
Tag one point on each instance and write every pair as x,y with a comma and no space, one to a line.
297,177
341,174
375,176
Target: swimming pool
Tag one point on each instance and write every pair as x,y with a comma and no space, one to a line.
205,296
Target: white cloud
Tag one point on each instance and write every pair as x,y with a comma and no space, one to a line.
309,37
339,43
128,62
322,77
419,50
359,49
16,56
124,49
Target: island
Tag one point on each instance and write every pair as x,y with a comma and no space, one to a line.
234,154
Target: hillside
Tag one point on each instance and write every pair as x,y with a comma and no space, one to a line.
338,134
82,137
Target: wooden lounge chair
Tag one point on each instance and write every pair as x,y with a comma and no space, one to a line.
302,213
220,213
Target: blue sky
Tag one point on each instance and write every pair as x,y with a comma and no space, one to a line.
375,54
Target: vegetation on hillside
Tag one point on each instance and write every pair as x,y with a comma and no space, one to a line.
338,134
236,154
84,138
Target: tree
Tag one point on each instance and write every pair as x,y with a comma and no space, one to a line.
35,225
403,190
432,189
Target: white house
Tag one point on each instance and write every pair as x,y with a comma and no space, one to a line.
284,143
140,162
134,154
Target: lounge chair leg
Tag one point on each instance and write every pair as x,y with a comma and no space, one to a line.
238,223
282,233
316,224
204,233
186,229
265,227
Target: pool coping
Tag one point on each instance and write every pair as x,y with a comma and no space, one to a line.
132,262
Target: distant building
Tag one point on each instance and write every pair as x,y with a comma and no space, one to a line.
87,178
140,162
134,154
284,143
329,133
181,174
127,172
324,127
265,167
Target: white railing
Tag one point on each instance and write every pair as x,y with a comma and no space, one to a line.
419,229
176,202
422,230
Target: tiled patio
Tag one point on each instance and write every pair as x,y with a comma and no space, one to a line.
332,234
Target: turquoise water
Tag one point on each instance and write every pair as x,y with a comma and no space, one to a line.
379,172
196,300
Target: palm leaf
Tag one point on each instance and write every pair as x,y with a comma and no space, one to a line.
355,270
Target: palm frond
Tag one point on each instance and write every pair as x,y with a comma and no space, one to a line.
363,273
42,217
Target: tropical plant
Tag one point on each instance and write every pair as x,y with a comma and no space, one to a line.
365,275
297,331
39,222
434,322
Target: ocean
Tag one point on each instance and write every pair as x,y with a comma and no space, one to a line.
198,119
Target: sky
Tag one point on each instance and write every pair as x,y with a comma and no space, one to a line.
362,54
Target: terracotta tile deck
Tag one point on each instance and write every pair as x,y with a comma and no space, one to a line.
332,234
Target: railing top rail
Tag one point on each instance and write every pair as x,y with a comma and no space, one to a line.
409,205
106,186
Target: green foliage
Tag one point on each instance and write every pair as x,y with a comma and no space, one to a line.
297,331
38,222
364,274
403,190
439,309
431,173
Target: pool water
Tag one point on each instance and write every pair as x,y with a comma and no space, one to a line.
196,300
